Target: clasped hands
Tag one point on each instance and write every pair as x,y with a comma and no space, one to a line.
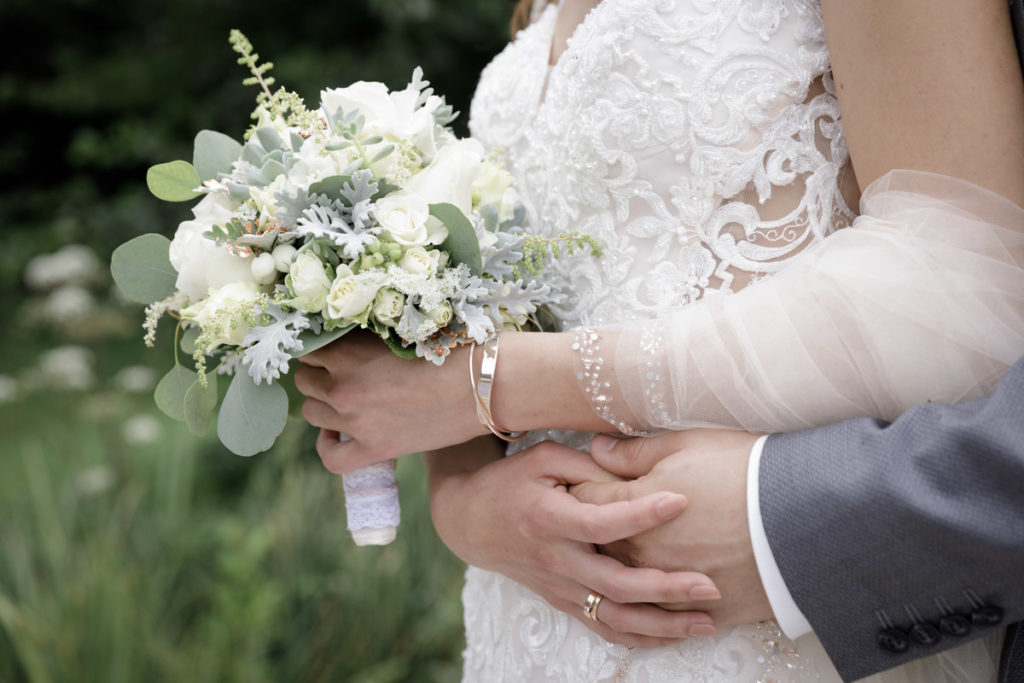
566,524
657,526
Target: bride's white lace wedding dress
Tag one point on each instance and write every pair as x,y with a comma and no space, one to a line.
699,142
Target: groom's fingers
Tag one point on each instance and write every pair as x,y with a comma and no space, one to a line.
564,516
632,458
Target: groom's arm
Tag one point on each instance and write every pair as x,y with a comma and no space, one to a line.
876,526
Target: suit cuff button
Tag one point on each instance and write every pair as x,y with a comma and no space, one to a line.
925,634
989,615
955,625
893,640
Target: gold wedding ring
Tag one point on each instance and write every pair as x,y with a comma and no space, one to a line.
591,605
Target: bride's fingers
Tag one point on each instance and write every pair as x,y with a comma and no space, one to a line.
320,414
624,584
567,517
313,381
653,621
333,448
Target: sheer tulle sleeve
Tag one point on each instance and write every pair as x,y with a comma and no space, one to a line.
922,299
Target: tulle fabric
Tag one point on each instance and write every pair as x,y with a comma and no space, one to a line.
922,299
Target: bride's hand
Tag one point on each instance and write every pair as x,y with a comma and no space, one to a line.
515,516
713,537
385,406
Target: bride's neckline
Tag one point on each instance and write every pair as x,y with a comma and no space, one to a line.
560,12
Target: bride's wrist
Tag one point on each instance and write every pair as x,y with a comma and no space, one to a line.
535,385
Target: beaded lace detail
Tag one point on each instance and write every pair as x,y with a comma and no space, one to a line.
699,142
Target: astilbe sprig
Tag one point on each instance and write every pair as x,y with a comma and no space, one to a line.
537,249
283,103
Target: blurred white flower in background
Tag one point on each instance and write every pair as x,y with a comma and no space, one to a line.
141,429
73,264
8,389
94,480
135,379
68,304
66,367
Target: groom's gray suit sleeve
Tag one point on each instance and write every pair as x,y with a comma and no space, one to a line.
876,526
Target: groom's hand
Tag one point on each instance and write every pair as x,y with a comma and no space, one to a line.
713,536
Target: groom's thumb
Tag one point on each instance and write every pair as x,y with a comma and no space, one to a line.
632,458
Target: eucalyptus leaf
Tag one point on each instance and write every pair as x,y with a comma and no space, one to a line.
214,153
252,415
311,341
142,268
174,181
187,342
200,402
462,243
170,392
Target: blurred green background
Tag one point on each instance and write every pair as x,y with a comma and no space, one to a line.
130,550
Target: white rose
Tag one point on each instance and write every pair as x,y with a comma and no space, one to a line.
351,296
404,216
225,309
442,315
388,305
308,282
419,261
391,114
450,176
203,265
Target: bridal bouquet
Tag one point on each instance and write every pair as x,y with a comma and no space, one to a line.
367,212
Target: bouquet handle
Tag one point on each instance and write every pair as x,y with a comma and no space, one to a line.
371,503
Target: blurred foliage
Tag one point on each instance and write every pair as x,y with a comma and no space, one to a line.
99,90
176,560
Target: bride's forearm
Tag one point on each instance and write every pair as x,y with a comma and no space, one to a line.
536,387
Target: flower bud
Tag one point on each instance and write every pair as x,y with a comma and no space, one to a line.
388,305
264,271
284,254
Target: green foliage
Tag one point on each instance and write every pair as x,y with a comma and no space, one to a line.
461,242
252,415
142,269
200,403
214,153
248,58
172,389
174,181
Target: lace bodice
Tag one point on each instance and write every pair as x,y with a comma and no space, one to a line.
697,140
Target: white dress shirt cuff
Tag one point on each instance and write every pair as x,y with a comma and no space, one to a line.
791,620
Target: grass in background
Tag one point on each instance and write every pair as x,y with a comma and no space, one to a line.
178,561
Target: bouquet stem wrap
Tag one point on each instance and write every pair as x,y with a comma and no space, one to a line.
371,503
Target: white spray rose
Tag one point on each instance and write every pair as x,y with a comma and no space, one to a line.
419,261
442,315
223,312
202,265
388,305
405,217
351,296
308,282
